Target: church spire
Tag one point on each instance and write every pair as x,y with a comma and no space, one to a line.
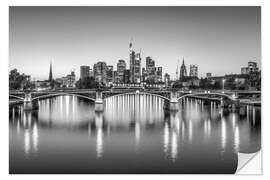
50,73
183,70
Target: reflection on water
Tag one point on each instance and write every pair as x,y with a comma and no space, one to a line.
132,135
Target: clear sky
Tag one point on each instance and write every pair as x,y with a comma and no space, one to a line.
220,40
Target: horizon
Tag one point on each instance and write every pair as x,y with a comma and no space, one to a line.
219,40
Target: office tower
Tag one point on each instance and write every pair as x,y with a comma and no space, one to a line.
121,66
126,76
150,69
84,72
208,75
71,79
252,67
134,65
193,71
137,68
109,74
131,62
100,72
159,74
115,77
166,79
144,74
91,72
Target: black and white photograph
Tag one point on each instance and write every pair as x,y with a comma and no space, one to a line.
133,89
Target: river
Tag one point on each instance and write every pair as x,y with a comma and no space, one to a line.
133,135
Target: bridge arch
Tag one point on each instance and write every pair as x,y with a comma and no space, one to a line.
18,97
139,93
62,94
199,94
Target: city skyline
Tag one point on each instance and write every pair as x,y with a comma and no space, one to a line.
85,35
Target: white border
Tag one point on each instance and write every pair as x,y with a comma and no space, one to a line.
4,76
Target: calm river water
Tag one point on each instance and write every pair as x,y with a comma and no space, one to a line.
132,135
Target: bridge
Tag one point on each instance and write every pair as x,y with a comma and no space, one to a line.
170,96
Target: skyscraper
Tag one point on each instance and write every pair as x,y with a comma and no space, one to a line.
183,70
126,76
159,74
166,79
50,73
193,72
144,74
109,74
131,62
100,72
150,69
121,66
134,65
84,72
137,68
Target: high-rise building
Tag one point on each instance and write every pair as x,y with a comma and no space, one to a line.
131,62
121,66
166,79
150,65
134,65
71,80
84,72
50,73
252,67
183,70
109,74
91,72
67,81
193,71
144,74
115,77
159,74
100,72
137,68
126,76
150,69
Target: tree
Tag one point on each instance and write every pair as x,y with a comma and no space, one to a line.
86,83
18,81
177,84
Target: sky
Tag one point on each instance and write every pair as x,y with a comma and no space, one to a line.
219,40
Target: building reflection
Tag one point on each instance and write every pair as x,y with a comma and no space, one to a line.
171,136
249,131
99,135
137,133
135,117
27,127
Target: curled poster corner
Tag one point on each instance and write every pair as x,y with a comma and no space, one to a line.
249,164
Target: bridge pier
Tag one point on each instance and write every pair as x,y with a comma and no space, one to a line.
235,105
224,103
27,103
99,105
174,106
28,106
